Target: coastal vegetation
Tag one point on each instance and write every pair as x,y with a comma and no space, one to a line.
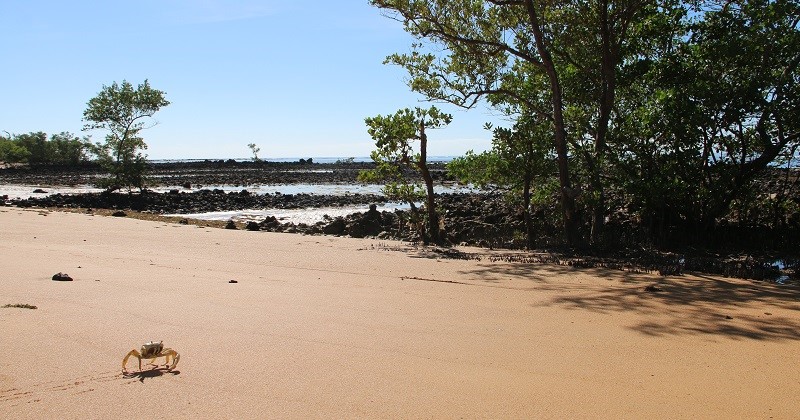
123,111
394,136
37,149
255,150
659,119
630,126
119,109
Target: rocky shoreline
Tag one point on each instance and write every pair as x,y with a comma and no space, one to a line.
483,219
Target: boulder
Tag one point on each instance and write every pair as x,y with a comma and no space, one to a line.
270,223
373,213
368,224
336,227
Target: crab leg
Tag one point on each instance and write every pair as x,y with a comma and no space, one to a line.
169,353
135,354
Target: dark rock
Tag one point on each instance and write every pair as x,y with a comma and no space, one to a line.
39,191
233,281
62,277
253,226
184,221
270,223
119,213
368,224
231,225
336,227
373,213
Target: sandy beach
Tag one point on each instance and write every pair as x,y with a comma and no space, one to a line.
327,327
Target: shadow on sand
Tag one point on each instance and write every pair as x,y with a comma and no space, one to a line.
671,306
148,374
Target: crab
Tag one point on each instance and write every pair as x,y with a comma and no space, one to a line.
152,350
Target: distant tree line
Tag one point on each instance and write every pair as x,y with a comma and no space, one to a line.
36,148
122,111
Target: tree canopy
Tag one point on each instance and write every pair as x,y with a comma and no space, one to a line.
36,148
123,111
663,111
395,136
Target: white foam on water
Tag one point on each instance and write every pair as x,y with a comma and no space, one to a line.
308,216
26,191
318,189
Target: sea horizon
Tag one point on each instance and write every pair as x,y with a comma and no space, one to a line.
314,159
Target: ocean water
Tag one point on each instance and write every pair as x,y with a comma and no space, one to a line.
322,159
307,215
24,191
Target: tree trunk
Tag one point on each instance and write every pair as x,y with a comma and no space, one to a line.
598,210
526,212
608,82
430,205
560,133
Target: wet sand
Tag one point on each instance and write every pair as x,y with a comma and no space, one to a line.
325,327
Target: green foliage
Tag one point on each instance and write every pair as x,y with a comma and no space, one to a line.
36,145
556,61
666,112
713,112
123,111
36,149
483,169
12,152
396,156
255,149
520,156
126,172
398,184
67,149
395,136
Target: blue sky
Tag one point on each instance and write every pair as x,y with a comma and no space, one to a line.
295,77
